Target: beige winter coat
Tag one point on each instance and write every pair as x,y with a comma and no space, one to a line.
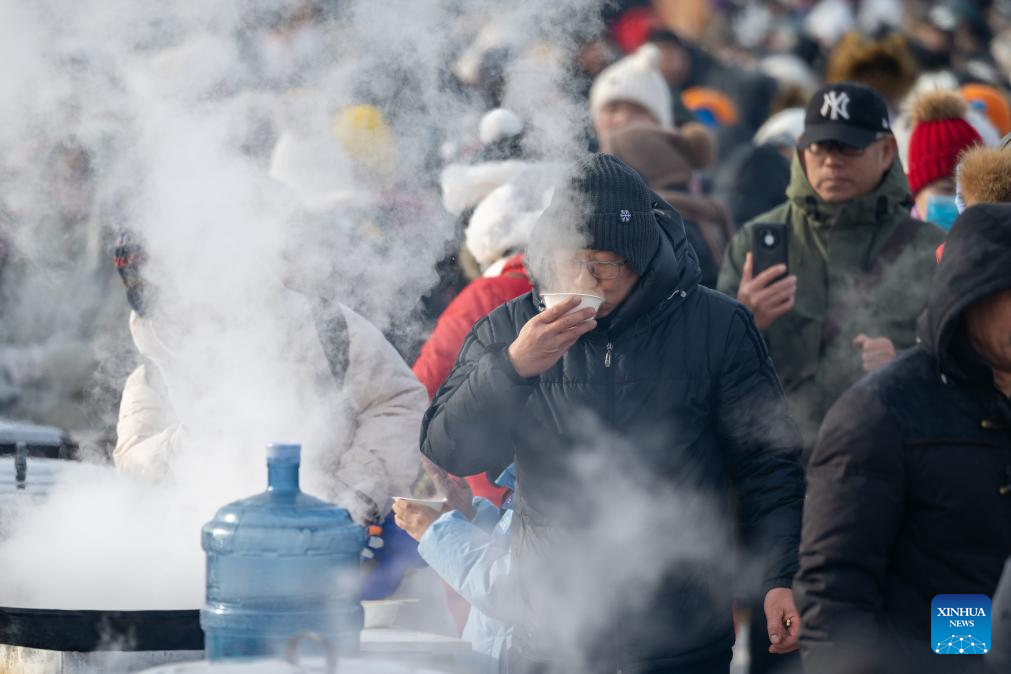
359,426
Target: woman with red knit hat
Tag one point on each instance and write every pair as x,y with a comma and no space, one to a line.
940,135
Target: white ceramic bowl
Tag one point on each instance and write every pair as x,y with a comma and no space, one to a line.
586,301
383,612
435,504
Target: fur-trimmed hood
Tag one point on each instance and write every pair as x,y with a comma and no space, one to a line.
984,176
886,64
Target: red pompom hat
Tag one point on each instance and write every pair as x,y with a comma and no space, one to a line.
940,135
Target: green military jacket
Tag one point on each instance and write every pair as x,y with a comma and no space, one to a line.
863,266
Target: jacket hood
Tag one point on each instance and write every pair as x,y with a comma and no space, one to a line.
673,273
976,264
878,212
984,176
666,159
698,208
887,202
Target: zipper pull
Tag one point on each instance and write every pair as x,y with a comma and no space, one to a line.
607,355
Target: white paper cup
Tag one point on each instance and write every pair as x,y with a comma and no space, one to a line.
586,301
383,612
435,504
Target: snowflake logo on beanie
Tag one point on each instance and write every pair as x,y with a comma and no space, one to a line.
625,215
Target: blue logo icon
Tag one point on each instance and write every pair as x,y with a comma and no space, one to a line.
960,624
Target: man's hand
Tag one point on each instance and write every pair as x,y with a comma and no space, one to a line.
414,518
458,494
782,619
547,336
876,352
767,301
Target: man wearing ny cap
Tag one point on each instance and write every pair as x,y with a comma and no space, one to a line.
629,427
859,264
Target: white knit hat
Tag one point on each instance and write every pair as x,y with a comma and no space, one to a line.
635,78
503,221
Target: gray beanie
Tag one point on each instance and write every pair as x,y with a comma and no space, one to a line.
617,209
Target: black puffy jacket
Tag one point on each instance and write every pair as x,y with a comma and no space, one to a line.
673,391
909,487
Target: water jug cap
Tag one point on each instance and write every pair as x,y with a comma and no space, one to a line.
286,452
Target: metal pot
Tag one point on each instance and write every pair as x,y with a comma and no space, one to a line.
40,641
62,630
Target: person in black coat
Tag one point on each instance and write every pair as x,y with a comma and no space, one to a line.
671,381
999,657
909,486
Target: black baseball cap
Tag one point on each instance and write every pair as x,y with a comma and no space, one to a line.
845,112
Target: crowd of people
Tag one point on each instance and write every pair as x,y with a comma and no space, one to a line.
795,218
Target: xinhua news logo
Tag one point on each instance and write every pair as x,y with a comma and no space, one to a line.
960,624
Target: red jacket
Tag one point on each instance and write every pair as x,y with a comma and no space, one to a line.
440,351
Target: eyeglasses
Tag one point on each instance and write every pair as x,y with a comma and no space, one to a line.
599,269
824,147
835,147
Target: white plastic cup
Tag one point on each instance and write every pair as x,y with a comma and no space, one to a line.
586,301
435,504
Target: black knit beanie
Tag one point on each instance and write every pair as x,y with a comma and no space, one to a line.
618,209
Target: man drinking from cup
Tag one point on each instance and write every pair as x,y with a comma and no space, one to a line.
630,426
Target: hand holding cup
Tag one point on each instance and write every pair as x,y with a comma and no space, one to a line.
547,336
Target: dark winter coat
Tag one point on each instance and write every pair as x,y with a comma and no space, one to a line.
909,487
676,383
862,266
999,658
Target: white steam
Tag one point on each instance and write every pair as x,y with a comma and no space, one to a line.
177,106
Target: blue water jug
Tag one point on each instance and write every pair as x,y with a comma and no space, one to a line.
279,564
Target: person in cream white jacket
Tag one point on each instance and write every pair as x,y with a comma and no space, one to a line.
350,398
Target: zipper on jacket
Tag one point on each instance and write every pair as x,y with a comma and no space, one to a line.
619,636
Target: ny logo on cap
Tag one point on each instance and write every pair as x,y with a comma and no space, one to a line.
835,105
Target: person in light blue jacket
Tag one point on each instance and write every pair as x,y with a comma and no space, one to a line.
473,556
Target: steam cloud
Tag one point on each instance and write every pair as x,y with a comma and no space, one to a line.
177,107
179,120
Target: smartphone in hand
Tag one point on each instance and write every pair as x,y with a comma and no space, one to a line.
769,247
